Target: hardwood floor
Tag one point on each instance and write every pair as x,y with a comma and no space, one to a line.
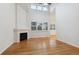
41,46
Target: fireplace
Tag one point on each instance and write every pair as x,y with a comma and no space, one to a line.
23,36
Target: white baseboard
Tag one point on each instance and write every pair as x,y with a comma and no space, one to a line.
68,43
6,48
39,36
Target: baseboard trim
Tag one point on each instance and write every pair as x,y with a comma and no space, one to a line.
68,43
6,48
39,37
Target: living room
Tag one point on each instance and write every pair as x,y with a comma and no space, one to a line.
39,28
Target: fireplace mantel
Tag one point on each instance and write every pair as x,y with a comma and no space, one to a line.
21,29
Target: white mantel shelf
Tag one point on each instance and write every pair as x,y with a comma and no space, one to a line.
21,30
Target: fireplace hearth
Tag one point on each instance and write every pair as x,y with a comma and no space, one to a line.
23,36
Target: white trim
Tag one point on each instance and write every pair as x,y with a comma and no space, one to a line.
6,48
68,43
39,36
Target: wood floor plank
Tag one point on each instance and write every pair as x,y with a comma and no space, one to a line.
41,46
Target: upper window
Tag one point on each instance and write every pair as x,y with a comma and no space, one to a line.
45,9
39,7
33,6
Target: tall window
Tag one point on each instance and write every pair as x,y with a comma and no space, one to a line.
33,6
39,7
45,8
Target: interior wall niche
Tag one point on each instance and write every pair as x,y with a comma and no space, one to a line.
52,26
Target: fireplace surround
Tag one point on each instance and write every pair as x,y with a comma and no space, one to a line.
21,34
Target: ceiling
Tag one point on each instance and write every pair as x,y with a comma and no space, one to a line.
25,5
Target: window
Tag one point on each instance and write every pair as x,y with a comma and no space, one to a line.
39,8
33,6
45,26
39,26
33,25
45,9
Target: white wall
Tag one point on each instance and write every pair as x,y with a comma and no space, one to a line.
67,23
7,24
22,20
